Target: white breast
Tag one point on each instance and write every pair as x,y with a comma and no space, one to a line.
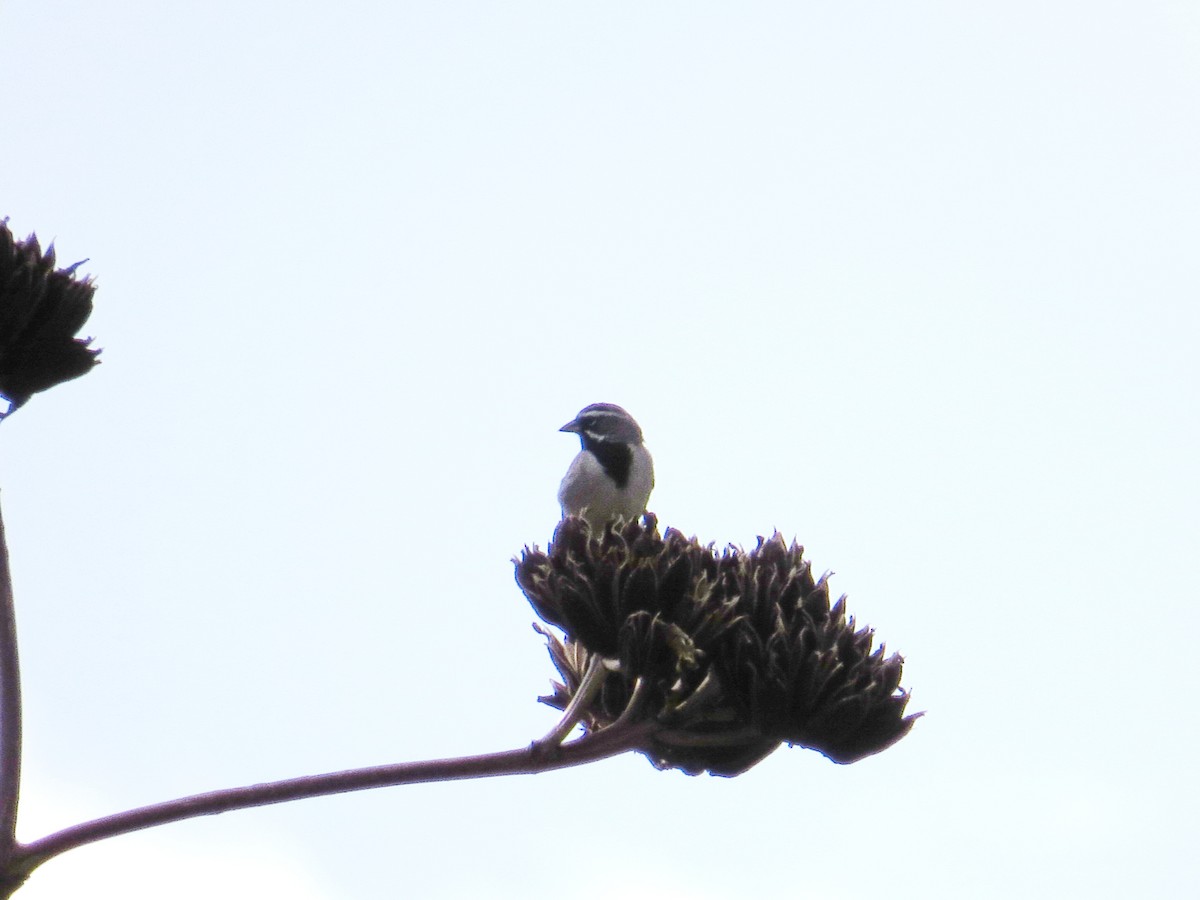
588,491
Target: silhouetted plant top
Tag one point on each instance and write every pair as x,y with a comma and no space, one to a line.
41,311
729,653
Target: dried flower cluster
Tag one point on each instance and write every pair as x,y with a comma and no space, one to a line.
728,653
41,311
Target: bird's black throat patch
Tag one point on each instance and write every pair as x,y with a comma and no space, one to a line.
615,456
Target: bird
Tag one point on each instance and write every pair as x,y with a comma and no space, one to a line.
613,474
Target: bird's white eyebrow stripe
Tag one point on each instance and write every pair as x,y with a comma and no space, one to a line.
605,412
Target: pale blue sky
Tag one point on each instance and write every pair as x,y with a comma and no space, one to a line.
915,283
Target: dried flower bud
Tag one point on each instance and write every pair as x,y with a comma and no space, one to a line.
730,654
41,311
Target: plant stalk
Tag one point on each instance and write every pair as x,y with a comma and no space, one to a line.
537,757
10,710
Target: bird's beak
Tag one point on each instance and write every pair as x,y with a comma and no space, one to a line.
572,426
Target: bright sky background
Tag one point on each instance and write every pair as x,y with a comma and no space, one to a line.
917,283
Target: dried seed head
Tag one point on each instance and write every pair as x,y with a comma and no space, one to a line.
41,311
736,652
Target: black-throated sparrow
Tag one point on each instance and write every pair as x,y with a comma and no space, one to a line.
613,474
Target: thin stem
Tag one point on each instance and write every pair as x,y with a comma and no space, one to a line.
589,687
527,760
641,690
10,710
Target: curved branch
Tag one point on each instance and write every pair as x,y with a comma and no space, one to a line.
589,687
527,760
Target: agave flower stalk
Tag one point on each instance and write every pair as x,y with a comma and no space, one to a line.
701,660
725,655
